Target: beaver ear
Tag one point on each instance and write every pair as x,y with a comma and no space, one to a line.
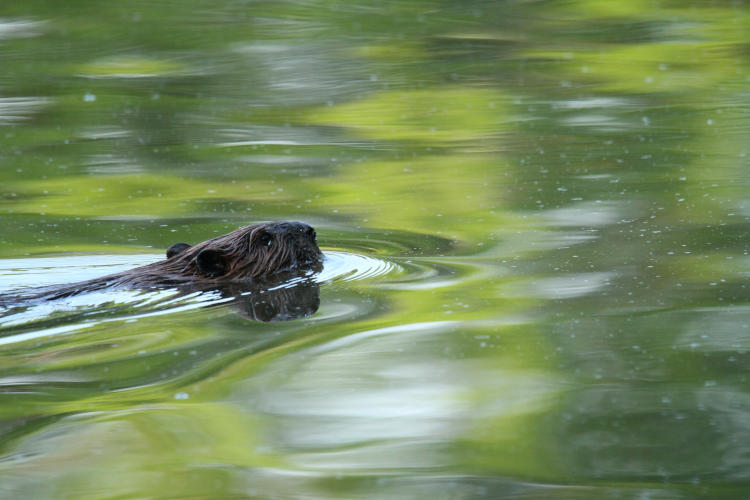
212,263
177,248
263,237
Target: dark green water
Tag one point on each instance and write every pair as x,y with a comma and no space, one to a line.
535,215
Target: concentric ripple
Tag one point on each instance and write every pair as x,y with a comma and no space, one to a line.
345,266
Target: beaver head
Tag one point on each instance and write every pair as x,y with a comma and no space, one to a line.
261,253
254,252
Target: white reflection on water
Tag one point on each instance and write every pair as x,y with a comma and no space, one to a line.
605,113
587,214
571,285
382,399
42,271
274,136
16,109
716,329
89,302
593,103
20,28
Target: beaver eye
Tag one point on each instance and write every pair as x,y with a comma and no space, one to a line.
265,239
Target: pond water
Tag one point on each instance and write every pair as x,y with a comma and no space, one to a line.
535,217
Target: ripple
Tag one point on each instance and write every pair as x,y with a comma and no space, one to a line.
345,266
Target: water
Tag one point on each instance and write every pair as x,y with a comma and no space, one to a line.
534,216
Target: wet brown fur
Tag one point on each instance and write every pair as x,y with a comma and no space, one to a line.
257,253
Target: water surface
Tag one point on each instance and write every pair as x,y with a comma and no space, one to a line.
535,221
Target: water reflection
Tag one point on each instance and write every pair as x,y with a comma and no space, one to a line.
16,109
536,215
373,400
20,28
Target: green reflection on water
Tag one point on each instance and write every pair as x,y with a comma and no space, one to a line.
562,185
436,116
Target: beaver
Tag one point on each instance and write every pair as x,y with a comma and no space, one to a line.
259,253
